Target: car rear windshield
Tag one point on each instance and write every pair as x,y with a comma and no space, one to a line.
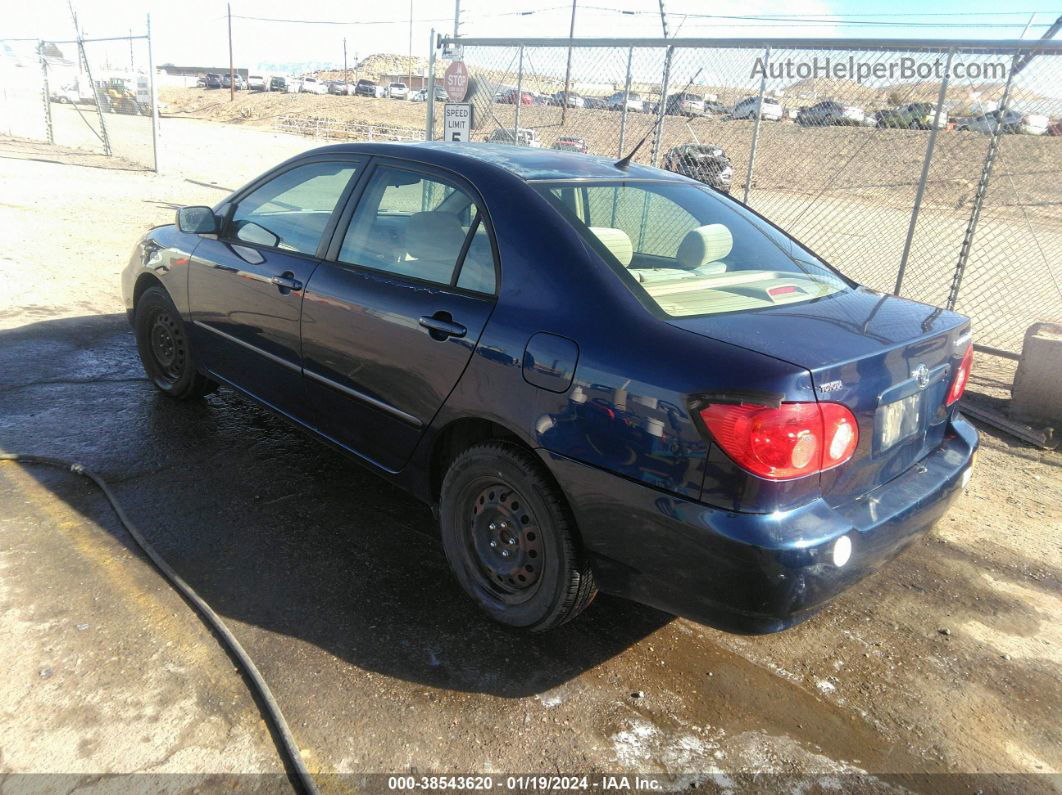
686,251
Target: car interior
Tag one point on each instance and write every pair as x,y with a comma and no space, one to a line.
684,265
417,226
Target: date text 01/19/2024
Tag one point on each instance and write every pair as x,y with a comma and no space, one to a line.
546,783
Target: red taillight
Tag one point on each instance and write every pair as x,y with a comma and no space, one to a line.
962,375
787,441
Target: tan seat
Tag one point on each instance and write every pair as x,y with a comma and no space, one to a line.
617,241
702,248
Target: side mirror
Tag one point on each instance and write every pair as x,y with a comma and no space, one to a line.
197,221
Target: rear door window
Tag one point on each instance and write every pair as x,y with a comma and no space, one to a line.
422,227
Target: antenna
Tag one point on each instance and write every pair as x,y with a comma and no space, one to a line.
625,163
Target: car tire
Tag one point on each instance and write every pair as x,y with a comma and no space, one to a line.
509,537
162,343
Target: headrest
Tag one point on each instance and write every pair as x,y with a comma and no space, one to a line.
617,241
703,245
434,235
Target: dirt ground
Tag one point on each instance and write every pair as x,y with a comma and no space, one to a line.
949,660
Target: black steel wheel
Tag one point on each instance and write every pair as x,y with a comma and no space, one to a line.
163,346
510,538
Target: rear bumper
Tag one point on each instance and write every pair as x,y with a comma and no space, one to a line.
752,573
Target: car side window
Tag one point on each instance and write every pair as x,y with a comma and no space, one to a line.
291,210
419,226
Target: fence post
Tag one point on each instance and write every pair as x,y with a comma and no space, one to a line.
520,95
429,130
152,77
661,111
95,95
982,189
623,110
756,129
46,92
941,96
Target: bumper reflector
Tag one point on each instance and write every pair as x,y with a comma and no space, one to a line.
842,551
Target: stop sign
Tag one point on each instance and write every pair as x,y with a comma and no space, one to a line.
456,81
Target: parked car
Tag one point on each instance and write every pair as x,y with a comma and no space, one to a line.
1013,121
684,104
750,107
595,103
633,103
1055,128
570,143
713,108
234,81
687,408
524,137
257,83
703,162
213,80
365,88
397,91
311,85
278,83
917,115
574,100
829,112
201,82
510,97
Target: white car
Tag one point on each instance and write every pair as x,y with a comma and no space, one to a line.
750,107
311,85
397,91
524,137
1013,122
257,83
634,102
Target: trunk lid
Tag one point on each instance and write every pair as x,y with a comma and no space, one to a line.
888,359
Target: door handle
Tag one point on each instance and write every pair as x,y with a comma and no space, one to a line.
286,281
441,325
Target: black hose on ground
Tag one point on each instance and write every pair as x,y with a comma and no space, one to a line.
285,741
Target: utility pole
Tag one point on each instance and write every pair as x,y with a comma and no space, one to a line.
409,82
132,63
457,17
346,74
568,70
232,71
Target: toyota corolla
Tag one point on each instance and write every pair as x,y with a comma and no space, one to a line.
602,376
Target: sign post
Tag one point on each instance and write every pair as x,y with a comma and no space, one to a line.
457,122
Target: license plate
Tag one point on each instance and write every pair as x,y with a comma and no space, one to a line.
900,419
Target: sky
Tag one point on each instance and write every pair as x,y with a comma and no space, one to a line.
194,32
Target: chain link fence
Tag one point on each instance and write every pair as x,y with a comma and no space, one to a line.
93,94
927,168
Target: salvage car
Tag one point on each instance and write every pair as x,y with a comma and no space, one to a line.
602,376
828,112
703,162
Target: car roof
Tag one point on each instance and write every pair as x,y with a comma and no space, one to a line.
524,162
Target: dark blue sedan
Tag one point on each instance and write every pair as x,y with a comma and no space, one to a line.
603,377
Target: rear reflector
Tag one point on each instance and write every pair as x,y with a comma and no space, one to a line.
783,290
788,441
962,375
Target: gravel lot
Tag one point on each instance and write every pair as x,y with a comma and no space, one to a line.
947,661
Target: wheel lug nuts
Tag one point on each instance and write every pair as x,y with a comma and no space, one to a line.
505,553
493,543
493,525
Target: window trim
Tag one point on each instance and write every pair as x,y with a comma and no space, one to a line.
353,201
231,204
